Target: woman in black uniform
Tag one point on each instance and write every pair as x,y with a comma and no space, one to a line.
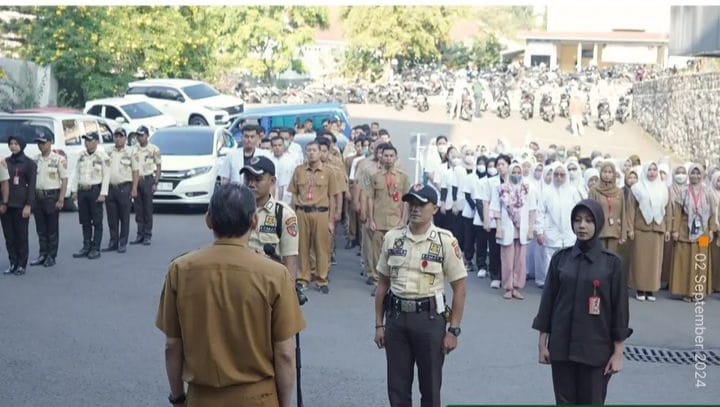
583,315
23,173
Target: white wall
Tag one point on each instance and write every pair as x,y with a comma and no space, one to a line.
593,16
629,54
540,48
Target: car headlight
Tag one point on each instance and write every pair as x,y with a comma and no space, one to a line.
197,171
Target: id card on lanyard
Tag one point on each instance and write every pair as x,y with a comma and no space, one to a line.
697,224
16,177
311,186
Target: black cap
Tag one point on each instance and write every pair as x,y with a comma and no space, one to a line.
92,136
143,131
423,193
120,131
259,165
41,139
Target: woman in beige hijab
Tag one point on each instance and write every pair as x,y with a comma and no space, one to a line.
610,198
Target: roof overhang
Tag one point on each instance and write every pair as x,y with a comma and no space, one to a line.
601,37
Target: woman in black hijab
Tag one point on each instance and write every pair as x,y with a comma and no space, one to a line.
15,213
583,315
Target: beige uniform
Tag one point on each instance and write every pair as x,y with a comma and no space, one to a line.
92,169
385,193
418,266
51,171
122,165
364,179
147,159
268,226
4,174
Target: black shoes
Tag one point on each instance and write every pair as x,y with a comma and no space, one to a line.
19,271
110,248
82,253
10,270
138,240
93,254
146,242
349,245
49,261
122,249
325,289
39,261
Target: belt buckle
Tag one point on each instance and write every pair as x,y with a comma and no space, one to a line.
408,306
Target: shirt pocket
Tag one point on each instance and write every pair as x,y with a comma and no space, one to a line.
395,264
430,277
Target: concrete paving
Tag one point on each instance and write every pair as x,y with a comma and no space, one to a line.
82,333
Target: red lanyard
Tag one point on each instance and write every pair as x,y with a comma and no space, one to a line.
610,202
695,198
311,185
389,182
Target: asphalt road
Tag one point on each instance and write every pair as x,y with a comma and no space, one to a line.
83,334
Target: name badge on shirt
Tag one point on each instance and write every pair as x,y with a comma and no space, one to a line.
594,305
16,180
611,221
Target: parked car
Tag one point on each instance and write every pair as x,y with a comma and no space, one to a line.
64,129
49,109
190,102
130,113
289,115
191,158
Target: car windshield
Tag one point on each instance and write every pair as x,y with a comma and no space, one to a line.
140,110
200,91
28,129
183,142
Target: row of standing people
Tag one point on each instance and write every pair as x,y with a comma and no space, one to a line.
117,179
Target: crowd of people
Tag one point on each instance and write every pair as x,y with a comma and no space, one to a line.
510,210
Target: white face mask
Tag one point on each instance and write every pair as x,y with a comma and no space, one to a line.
681,178
456,162
492,171
573,174
469,160
442,148
481,168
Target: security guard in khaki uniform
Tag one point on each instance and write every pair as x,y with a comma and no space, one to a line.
313,186
386,209
90,188
148,160
50,188
414,264
237,349
276,222
123,180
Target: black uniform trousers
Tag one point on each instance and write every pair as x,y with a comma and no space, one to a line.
117,205
47,221
578,383
144,207
414,338
476,244
15,230
458,228
494,249
90,212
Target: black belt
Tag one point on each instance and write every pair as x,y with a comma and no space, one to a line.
41,193
416,305
87,187
148,176
120,185
312,208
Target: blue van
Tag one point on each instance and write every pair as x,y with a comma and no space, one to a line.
289,115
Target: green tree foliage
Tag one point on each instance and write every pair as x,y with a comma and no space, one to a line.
262,39
484,53
406,33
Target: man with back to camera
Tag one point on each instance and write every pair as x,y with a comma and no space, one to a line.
233,350
236,159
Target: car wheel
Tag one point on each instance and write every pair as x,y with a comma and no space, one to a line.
196,120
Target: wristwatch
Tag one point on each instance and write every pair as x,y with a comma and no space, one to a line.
455,331
177,400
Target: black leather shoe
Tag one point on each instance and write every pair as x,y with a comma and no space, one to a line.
138,240
82,253
122,249
40,260
109,249
19,271
146,242
49,262
10,270
349,245
94,254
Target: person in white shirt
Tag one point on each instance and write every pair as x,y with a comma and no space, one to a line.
467,211
491,193
534,179
435,157
475,236
291,147
284,168
575,178
553,226
229,172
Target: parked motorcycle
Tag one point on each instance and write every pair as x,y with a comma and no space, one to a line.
605,120
586,114
503,106
526,106
564,105
547,110
467,107
622,113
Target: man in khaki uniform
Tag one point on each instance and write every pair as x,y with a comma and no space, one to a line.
366,169
90,188
148,160
50,187
386,210
233,350
340,179
276,222
313,186
414,263
123,180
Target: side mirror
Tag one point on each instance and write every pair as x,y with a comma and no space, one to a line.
223,151
180,99
121,120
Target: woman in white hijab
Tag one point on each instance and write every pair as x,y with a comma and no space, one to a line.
535,180
575,178
692,218
592,178
649,215
553,226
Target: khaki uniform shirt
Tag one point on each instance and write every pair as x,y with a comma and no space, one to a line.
122,165
266,232
147,159
365,177
340,178
418,265
313,187
92,169
635,220
229,305
4,174
387,199
615,225
51,171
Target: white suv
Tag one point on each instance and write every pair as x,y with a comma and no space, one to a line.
130,113
190,102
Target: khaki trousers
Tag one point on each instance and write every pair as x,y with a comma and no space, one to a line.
377,241
314,239
366,248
